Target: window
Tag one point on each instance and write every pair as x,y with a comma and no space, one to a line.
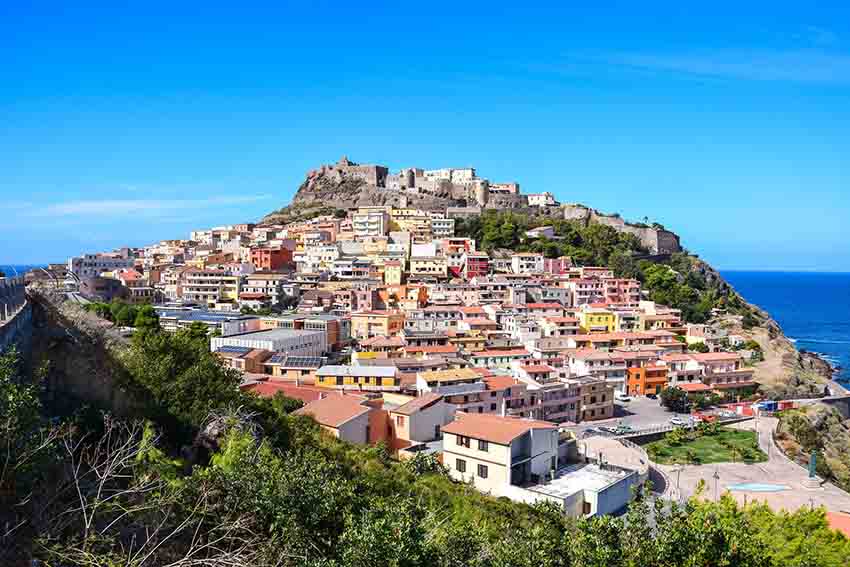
460,465
492,407
483,445
482,471
399,420
339,380
462,441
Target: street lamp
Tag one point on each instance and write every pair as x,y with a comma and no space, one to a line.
716,477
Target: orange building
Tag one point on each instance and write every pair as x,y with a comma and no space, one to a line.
649,379
269,259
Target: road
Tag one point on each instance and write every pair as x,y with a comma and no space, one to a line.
639,413
683,479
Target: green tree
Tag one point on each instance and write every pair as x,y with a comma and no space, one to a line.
674,398
146,319
698,347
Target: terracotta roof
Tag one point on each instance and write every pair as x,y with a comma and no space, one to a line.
499,382
472,309
335,410
694,387
493,428
505,352
537,368
481,321
544,306
715,356
438,349
383,342
450,375
562,319
418,404
250,295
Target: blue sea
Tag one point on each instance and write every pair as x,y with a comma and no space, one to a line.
813,309
11,269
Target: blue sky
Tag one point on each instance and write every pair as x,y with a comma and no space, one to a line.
124,123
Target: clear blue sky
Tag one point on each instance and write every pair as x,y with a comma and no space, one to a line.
130,122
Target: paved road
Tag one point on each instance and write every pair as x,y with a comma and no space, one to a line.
777,470
639,413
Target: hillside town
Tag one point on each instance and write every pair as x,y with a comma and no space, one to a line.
392,329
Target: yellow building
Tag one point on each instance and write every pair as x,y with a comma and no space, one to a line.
597,320
366,378
365,324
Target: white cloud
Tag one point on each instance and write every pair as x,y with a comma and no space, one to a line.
803,66
154,207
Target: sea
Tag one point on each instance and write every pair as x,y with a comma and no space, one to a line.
813,309
11,269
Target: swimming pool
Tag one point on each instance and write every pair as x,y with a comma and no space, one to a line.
758,487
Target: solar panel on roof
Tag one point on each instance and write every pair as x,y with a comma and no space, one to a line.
233,349
305,361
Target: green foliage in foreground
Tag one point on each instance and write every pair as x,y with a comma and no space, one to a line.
705,444
274,490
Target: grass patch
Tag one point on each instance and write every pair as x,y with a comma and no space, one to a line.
724,446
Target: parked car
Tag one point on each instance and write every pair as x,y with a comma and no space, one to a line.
652,396
621,397
679,421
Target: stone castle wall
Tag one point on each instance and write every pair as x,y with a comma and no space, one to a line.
657,241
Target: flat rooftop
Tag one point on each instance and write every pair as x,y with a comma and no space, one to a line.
274,334
576,478
201,315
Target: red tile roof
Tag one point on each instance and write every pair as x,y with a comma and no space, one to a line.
335,409
694,387
493,428
499,382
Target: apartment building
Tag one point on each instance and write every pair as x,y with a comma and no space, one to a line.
365,324
527,263
271,259
596,397
92,265
210,286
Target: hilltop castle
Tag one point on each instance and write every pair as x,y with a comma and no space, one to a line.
457,184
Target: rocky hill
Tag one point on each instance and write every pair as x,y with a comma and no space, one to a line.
345,185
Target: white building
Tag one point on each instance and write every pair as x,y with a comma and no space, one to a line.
544,199
527,263
92,265
290,341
